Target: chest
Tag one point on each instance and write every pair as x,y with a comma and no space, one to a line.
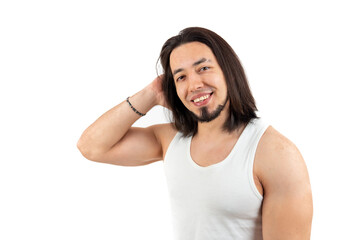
222,190
206,153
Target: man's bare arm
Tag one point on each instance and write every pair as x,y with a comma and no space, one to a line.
287,207
111,139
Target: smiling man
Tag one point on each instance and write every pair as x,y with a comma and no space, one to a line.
200,96
230,175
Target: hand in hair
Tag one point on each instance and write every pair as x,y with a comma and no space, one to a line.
155,86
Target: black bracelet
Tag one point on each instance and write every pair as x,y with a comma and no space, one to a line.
134,109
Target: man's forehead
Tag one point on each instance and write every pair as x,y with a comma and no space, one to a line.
190,49
190,54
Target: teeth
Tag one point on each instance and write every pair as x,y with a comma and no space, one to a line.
201,98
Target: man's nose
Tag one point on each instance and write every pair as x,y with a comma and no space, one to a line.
195,82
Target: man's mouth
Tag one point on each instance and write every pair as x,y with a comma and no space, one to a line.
201,98
198,100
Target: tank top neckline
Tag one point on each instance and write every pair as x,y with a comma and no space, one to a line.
222,162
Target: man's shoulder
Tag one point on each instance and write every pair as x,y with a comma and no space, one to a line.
164,130
277,157
273,142
164,133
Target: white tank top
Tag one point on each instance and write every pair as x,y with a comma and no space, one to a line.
220,201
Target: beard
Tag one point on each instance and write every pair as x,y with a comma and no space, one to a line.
206,116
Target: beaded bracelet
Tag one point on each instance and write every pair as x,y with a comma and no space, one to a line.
134,109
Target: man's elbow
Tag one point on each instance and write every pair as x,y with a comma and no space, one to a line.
87,151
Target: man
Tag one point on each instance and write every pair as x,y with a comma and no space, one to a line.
230,175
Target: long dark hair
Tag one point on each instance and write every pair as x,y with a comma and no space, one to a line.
242,104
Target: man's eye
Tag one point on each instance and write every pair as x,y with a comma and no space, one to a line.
180,78
204,68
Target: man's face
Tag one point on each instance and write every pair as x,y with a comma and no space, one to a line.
199,80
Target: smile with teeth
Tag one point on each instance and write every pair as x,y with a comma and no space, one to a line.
202,98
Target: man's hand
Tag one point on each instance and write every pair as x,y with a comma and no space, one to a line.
156,87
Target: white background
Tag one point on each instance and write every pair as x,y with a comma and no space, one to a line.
64,63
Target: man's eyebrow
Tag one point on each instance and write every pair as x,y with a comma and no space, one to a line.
201,61
194,64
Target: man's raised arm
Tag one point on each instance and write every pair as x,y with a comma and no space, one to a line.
111,139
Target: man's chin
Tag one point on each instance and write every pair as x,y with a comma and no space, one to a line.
206,116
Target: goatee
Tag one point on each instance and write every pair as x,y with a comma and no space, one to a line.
206,116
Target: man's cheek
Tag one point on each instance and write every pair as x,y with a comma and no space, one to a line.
180,95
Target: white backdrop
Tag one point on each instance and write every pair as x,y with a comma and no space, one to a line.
64,63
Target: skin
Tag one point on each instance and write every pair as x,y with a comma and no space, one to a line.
280,173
